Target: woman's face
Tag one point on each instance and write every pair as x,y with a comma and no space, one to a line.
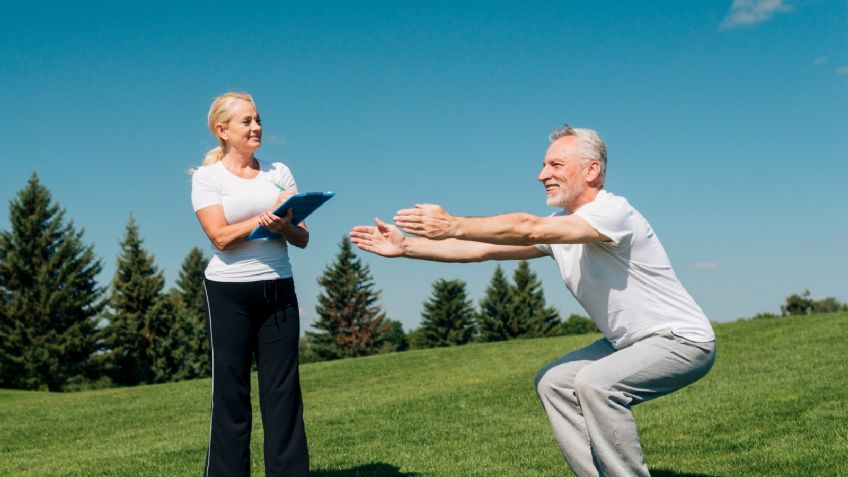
244,131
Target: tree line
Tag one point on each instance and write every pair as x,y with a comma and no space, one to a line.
60,330
350,322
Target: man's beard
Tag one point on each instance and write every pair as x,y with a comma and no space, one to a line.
565,196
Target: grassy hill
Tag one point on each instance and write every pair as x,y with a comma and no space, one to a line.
776,403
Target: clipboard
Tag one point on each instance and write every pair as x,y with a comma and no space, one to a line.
302,204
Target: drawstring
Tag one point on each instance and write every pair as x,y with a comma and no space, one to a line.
272,284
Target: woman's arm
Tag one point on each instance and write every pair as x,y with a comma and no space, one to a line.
297,235
223,235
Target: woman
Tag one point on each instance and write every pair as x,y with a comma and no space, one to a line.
250,298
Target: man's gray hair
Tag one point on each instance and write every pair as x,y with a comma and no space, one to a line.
592,147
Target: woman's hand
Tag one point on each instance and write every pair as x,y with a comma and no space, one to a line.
282,198
384,239
275,223
297,235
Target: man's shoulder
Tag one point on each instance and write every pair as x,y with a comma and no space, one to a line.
606,197
605,203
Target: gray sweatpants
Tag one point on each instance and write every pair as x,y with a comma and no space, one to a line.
587,395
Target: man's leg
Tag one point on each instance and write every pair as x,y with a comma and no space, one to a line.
608,387
556,389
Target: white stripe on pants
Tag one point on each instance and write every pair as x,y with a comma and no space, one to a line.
587,395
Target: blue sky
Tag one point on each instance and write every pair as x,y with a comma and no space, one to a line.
726,122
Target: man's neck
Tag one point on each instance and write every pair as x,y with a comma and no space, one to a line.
588,195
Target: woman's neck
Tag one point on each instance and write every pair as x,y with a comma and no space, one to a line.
235,160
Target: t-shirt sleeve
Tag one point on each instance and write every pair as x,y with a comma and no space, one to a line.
285,177
609,218
545,248
205,191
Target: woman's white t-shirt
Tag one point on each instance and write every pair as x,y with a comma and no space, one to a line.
242,199
627,286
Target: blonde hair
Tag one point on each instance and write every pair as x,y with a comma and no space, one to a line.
221,111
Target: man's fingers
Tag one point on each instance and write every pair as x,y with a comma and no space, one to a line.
382,226
415,211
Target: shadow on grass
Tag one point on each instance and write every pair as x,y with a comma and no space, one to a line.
368,470
671,473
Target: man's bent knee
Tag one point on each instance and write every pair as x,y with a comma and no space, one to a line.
542,384
586,385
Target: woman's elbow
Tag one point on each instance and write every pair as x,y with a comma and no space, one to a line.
299,239
301,243
221,244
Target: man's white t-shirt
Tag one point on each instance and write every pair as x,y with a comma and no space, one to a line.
627,286
242,199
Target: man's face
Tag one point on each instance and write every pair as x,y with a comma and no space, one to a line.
563,172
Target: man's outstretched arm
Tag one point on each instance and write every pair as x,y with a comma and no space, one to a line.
433,222
387,240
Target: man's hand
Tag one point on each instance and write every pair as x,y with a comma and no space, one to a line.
384,239
427,220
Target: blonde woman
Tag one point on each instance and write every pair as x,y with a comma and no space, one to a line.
250,298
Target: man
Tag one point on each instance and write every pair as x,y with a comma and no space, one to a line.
656,339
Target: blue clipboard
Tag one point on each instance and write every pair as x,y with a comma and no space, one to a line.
302,204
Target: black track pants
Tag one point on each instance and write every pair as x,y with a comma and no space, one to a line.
255,319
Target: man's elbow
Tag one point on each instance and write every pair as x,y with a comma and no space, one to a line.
535,231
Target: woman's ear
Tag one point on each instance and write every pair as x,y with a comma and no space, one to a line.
221,130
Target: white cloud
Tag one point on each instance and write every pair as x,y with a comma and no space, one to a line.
751,12
821,60
272,138
842,71
706,265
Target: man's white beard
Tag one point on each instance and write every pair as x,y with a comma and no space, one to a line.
560,200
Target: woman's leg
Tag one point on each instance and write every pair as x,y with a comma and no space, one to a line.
286,453
229,325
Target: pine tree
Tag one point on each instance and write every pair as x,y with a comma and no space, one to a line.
349,320
495,320
532,318
392,338
578,325
190,280
190,286
136,287
50,298
175,354
448,317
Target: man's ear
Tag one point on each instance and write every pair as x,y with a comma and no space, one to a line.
593,171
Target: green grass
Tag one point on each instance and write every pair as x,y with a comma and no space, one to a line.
776,403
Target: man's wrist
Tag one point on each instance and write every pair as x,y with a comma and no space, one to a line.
457,228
